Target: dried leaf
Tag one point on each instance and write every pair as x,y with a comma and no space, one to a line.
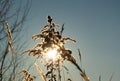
33,52
49,72
45,28
35,37
25,52
24,72
84,76
66,39
72,59
78,67
41,72
38,45
27,76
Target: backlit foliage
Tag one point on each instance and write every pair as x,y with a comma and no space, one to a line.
51,49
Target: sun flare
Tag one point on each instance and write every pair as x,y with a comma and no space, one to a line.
51,54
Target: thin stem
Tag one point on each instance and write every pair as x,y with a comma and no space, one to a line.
52,74
59,75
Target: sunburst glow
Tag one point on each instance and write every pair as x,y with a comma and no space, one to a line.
51,54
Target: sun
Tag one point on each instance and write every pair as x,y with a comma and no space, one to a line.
51,54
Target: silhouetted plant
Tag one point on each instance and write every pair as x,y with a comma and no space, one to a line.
53,52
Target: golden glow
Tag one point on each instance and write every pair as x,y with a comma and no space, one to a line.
51,54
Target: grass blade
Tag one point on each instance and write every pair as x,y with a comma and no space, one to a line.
111,77
79,54
100,78
41,72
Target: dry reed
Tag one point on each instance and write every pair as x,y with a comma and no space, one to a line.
51,38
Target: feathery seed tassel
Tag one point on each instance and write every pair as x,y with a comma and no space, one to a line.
10,41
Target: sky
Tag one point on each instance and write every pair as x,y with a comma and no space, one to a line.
94,24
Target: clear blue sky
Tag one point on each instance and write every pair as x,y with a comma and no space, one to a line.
95,24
